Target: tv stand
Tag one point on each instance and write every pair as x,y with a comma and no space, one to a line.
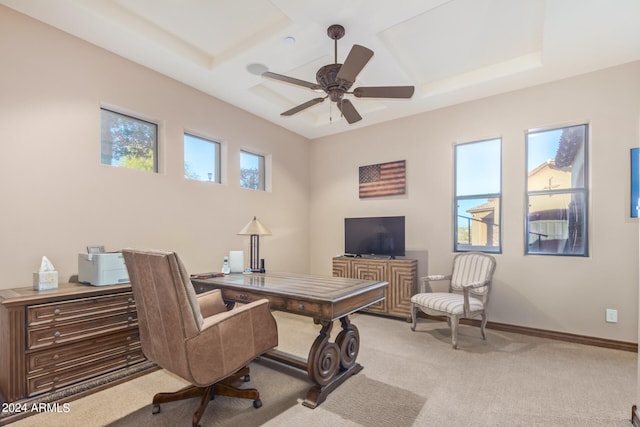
401,274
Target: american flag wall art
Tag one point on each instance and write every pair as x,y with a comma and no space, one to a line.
383,179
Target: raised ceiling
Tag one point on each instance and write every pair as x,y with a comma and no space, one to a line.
452,51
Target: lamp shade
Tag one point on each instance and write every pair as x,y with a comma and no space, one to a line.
255,227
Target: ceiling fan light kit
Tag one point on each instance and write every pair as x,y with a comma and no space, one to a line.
336,80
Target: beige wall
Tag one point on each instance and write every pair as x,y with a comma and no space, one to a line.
56,197
568,294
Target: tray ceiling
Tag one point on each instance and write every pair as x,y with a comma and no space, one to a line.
452,51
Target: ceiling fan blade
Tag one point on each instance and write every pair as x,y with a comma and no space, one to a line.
349,111
301,107
355,62
384,92
294,81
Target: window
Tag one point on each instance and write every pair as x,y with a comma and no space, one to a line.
201,159
477,196
252,170
556,217
128,142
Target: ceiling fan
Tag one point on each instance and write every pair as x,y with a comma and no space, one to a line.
336,80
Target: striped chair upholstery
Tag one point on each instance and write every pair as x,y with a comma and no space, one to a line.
467,297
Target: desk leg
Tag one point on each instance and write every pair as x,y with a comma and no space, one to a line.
331,363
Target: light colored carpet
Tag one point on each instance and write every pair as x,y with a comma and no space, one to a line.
409,379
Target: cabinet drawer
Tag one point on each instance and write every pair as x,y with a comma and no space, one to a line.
275,303
304,308
101,363
78,309
68,356
75,331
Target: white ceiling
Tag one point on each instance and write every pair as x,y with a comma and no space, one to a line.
451,50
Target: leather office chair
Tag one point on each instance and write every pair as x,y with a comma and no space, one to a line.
194,336
468,295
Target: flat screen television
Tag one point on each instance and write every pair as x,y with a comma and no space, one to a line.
375,236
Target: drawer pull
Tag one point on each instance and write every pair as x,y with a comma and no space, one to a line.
300,307
243,297
130,319
130,301
56,334
56,356
56,311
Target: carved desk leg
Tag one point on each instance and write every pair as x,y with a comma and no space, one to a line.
331,363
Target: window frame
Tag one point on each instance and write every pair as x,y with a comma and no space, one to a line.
217,179
262,169
137,118
581,191
494,249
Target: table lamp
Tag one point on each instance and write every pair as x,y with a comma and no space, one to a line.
255,229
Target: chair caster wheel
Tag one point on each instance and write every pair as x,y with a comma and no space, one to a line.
155,410
246,378
257,403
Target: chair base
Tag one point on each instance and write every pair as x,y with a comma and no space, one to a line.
221,388
452,321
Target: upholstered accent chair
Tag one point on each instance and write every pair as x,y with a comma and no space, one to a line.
194,336
467,297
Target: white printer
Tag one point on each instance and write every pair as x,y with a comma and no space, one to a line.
100,269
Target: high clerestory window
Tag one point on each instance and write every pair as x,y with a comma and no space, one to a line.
127,141
252,170
477,201
556,214
201,159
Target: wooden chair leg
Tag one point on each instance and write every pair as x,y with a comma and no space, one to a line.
414,316
206,397
190,392
186,393
221,388
225,388
453,321
483,325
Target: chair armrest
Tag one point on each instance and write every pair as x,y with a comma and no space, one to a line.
425,287
465,290
211,303
240,311
434,277
230,340
474,285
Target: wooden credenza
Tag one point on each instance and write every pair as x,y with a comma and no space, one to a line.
402,275
52,342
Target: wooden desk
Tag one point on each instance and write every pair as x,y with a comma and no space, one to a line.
325,299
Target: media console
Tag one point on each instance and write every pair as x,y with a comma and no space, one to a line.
401,274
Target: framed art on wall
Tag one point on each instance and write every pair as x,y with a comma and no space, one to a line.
382,179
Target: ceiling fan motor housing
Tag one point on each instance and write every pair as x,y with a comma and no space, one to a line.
334,87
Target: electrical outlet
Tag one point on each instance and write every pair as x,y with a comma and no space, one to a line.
612,315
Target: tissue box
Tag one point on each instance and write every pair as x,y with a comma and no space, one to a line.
45,280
